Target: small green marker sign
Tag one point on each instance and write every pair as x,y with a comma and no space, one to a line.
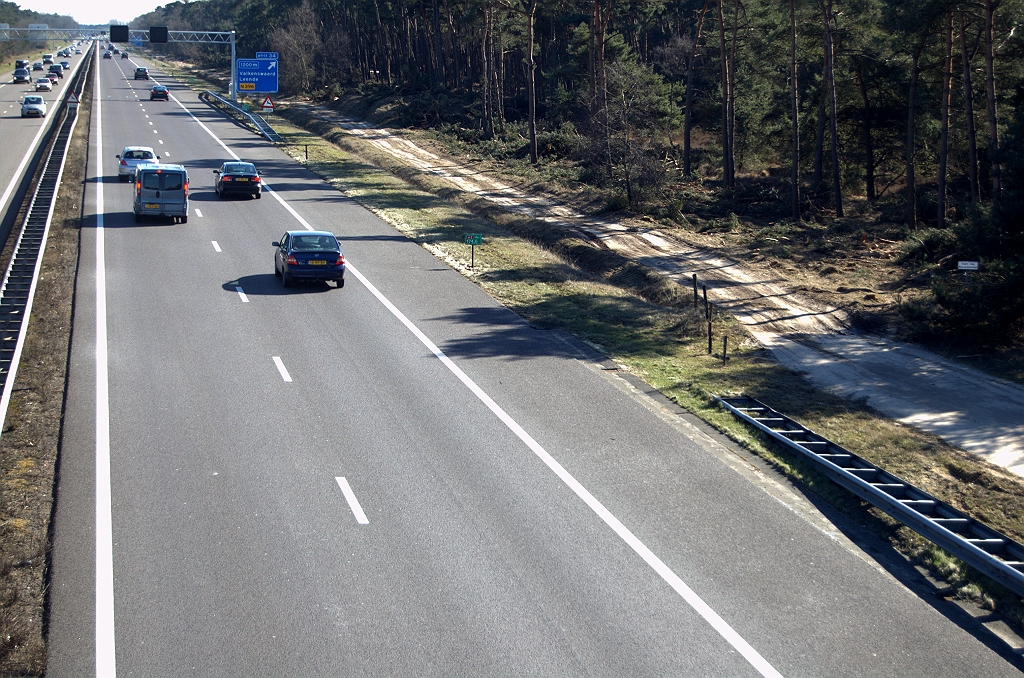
473,239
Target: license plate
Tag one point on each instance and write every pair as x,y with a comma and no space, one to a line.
152,206
316,262
242,179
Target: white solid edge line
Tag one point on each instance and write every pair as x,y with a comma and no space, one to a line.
696,602
241,294
281,368
216,247
663,570
106,664
353,503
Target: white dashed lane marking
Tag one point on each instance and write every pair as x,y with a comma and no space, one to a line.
281,369
353,503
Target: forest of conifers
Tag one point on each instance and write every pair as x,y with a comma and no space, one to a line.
912,107
923,89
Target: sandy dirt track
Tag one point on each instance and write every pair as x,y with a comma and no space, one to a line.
972,410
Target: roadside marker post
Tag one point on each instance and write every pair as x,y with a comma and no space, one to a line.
473,239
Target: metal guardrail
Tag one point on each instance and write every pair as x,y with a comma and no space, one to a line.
19,283
260,124
987,550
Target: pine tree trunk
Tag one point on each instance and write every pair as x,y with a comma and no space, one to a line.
947,76
915,71
440,76
688,113
531,90
602,82
819,138
732,93
830,60
869,146
990,81
727,178
794,91
498,58
972,136
485,80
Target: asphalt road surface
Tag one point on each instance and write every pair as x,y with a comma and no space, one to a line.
20,137
400,477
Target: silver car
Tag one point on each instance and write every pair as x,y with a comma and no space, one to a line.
33,105
44,85
132,156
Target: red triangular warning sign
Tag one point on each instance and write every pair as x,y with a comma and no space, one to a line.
72,99
268,103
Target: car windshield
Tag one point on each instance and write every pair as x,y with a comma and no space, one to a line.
239,168
33,100
315,243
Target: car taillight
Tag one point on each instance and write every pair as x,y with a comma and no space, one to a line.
340,261
138,188
225,178
256,180
291,260
123,162
186,189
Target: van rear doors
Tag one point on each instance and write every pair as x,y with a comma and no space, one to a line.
161,191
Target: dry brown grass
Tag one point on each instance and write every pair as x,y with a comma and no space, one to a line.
665,347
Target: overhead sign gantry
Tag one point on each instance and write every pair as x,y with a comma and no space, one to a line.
124,34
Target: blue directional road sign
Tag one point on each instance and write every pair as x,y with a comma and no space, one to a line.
257,75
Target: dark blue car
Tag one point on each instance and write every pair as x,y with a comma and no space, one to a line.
309,255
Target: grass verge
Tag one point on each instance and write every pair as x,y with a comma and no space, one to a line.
525,268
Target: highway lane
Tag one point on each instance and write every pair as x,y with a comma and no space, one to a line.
235,552
20,137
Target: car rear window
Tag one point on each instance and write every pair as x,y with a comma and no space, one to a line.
172,181
163,181
314,243
240,168
137,155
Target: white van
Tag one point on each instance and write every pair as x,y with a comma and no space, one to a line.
161,191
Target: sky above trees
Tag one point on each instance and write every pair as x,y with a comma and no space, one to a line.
93,12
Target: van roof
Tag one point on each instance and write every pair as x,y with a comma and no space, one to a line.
160,168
